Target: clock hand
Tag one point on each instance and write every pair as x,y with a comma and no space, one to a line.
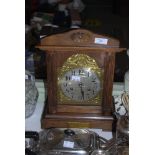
82,92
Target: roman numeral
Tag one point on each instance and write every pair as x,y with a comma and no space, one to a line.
73,72
68,78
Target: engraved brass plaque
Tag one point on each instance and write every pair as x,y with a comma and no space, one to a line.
78,125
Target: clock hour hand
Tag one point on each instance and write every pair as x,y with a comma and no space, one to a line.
82,92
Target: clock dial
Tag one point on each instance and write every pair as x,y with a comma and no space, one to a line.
80,84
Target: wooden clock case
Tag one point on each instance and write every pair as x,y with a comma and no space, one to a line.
58,48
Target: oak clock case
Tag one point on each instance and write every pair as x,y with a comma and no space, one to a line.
80,70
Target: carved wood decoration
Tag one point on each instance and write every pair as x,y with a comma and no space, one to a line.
82,102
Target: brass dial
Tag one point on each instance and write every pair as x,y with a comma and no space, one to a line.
80,81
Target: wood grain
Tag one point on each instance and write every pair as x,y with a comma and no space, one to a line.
58,49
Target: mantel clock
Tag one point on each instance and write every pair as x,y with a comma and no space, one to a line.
80,71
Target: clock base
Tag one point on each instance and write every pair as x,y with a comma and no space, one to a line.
75,120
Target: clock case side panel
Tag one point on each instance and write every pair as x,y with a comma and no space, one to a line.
52,89
109,65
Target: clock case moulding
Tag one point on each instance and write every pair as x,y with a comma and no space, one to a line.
60,47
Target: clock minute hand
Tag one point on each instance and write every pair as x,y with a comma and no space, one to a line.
82,92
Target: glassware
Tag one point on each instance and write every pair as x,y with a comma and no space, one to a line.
122,131
31,94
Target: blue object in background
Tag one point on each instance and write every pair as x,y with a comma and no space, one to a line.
29,61
35,63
